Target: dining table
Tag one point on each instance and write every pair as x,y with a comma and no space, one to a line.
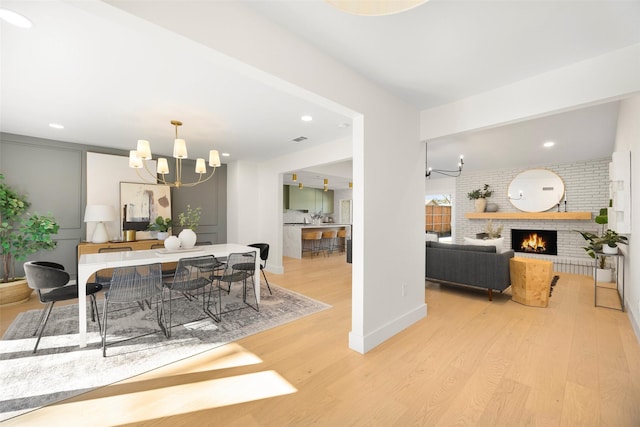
88,264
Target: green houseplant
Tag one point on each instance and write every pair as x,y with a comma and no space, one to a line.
599,243
161,226
189,220
479,196
21,234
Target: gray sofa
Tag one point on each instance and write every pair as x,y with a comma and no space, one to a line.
478,266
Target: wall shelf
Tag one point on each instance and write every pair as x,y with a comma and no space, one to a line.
530,215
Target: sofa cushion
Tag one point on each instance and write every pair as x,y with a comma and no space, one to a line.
498,243
453,246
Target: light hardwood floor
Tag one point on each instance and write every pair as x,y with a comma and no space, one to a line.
469,362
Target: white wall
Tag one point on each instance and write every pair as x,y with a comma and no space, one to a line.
628,139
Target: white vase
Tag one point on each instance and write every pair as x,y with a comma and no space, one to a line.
162,235
609,250
187,238
480,204
172,243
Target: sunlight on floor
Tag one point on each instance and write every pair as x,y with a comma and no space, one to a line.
167,401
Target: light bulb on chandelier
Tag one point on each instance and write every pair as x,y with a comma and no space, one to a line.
138,157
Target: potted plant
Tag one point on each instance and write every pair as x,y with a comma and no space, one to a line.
606,242
21,234
479,197
189,220
162,226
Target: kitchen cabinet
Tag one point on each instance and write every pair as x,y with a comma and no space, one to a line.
309,199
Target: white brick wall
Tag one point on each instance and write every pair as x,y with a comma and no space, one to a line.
587,188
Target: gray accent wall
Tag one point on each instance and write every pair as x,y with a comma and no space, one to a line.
53,176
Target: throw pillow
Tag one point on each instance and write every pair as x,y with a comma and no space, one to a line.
498,243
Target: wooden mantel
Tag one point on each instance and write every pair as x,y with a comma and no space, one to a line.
530,215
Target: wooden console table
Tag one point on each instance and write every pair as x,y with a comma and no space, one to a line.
84,248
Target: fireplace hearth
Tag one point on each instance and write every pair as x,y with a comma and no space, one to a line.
544,242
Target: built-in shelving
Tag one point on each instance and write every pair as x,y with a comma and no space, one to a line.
530,215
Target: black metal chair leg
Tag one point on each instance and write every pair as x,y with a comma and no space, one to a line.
44,323
265,279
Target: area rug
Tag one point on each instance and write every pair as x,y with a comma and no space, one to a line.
60,369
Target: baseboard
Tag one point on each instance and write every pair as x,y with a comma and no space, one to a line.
363,344
635,324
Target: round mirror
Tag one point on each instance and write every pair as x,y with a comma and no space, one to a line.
536,190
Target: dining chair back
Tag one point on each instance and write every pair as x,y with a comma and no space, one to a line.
51,283
140,284
239,268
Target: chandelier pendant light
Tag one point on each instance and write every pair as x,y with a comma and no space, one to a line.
453,173
138,157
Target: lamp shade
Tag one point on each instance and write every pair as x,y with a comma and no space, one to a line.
214,158
143,149
163,166
180,149
200,166
134,161
98,213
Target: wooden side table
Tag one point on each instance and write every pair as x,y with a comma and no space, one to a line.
530,281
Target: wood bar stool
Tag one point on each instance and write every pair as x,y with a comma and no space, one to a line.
311,242
329,241
342,240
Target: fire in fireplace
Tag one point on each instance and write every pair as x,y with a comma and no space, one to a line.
535,241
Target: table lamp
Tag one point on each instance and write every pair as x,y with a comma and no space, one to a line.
99,214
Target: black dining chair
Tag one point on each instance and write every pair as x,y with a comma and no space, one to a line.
51,283
239,268
195,274
140,284
264,255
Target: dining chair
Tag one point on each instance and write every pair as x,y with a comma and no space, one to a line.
264,255
195,274
51,283
140,284
239,268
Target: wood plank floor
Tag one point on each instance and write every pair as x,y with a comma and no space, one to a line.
470,362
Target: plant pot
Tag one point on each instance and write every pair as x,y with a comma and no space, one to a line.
161,235
187,238
609,250
604,275
480,204
14,292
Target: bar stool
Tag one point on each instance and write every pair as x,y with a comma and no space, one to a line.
342,240
329,241
311,242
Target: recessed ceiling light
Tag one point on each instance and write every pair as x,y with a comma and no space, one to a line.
15,18
56,126
225,154
549,144
344,125
306,118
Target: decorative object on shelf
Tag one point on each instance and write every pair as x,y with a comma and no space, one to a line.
161,226
451,173
143,152
538,190
491,207
375,7
172,243
480,197
21,234
99,214
190,220
492,233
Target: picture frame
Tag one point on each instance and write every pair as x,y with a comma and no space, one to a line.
141,204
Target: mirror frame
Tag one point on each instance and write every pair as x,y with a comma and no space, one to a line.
536,190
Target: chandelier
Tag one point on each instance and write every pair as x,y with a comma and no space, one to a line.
138,157
453,173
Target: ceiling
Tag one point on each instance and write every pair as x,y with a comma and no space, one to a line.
111,77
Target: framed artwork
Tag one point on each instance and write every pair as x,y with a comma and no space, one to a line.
142,203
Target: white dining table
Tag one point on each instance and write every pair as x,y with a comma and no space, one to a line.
91,263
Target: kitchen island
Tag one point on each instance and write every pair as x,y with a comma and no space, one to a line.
292,236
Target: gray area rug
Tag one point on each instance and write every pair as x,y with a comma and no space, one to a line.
60,369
